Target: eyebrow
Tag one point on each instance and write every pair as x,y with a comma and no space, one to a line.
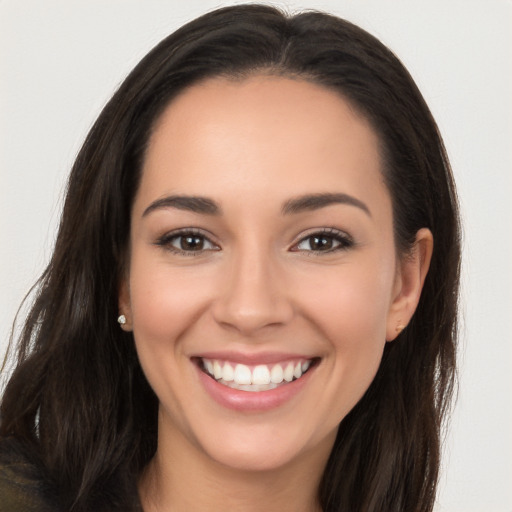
194,204
207,206
316,201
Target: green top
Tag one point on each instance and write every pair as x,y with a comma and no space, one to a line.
22,486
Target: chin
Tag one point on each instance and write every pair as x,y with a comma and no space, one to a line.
265,448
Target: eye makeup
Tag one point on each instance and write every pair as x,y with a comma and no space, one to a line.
193,242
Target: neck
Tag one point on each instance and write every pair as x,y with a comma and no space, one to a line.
182,478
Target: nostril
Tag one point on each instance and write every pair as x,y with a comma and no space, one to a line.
247,317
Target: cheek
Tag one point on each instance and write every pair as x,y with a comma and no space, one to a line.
165,301
165,305
350,311
351,304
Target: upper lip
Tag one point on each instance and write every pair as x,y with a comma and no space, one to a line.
251,358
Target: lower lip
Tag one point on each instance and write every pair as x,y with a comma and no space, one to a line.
253,400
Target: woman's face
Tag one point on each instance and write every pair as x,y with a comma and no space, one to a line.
263,279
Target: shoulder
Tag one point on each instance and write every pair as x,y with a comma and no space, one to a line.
22,483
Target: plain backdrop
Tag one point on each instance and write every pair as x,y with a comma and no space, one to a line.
61,60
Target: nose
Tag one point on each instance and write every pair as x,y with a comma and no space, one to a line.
253,295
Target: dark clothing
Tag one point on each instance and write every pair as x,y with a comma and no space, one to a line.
22,486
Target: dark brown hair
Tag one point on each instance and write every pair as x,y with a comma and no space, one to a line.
78,399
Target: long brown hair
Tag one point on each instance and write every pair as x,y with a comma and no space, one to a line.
78,400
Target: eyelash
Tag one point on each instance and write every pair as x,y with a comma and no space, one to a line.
342,240
166,241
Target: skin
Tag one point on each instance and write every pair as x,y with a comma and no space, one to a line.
257,285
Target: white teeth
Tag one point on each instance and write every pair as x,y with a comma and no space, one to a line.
261,378
252,387
261,375
246,387
217,370
228,374
242,374
209,366
288,372
276,374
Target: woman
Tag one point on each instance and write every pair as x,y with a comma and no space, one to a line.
252,300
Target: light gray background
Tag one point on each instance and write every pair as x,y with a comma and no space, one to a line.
61,60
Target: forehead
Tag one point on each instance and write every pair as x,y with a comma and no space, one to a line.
279,135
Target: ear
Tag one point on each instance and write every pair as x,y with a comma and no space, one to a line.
411,273
124,303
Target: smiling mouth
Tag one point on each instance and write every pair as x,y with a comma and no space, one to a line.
260,377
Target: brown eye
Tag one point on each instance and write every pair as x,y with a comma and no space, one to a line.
187,243
320,243
324,242
191,243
